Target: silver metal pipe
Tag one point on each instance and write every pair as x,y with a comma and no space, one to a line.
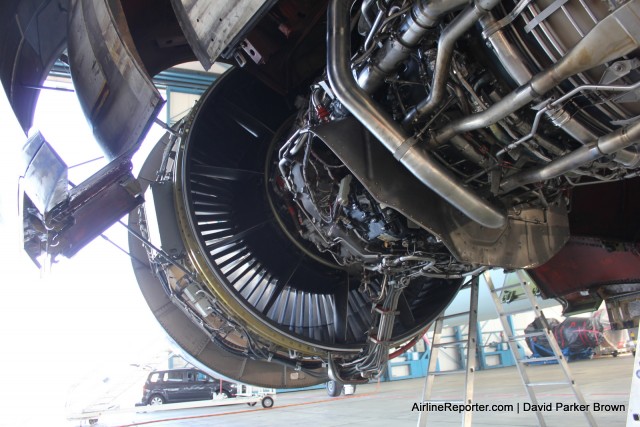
630,157
616,35
605,145
400,260
390,133
424,15
551,106
365,9
509,56
374,29
453,275
515,64
460,25
470,153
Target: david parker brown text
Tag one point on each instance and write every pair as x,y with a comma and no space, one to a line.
518,407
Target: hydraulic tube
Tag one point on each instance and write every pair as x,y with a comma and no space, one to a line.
616,35
605,145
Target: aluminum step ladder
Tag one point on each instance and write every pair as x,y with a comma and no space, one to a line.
470,367
512,339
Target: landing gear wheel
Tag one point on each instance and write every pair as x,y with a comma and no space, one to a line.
251,403
267,402
334,388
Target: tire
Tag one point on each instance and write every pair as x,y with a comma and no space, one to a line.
156,399
226,394
615,353
334,388
267,402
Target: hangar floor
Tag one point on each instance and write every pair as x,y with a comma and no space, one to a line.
604,381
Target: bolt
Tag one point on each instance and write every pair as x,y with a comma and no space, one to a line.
618,67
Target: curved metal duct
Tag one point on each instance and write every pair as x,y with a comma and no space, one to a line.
390,133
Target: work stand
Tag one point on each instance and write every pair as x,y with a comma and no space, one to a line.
566,378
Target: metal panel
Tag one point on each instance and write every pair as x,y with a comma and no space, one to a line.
530,238
33,33
73,217
45,177
588,263
164,215
383,176
114,90
210,27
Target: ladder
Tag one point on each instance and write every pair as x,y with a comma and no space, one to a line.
468,370
546,331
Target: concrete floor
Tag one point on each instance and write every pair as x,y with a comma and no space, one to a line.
603,381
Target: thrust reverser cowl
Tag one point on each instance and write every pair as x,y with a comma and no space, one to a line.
32,36
115,92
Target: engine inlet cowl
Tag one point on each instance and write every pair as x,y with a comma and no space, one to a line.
244,275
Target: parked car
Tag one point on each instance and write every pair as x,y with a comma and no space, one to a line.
181,385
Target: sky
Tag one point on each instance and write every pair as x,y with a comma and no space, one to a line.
86,317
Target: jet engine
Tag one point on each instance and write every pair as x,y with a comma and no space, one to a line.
329,195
